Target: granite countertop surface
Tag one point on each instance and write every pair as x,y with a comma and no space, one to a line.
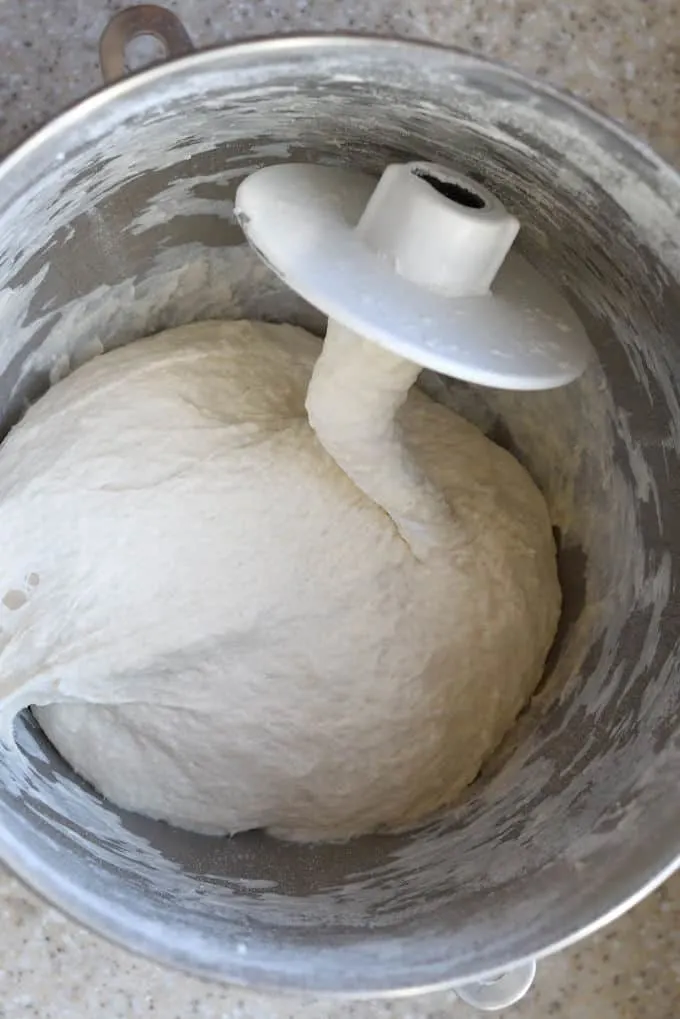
623,56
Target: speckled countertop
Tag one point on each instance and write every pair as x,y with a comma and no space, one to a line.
624,57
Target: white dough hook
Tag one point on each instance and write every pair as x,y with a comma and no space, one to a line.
420,264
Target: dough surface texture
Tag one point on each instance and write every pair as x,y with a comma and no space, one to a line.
229,611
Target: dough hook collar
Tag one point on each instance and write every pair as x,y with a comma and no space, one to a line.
420,264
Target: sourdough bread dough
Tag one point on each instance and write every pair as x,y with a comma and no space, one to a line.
235,604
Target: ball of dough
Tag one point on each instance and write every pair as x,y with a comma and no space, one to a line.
218,628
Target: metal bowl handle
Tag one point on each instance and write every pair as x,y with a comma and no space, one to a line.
128,24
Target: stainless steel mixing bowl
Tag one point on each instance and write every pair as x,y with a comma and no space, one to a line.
115,221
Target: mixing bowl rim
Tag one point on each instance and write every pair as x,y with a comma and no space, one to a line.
312,42
128,937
